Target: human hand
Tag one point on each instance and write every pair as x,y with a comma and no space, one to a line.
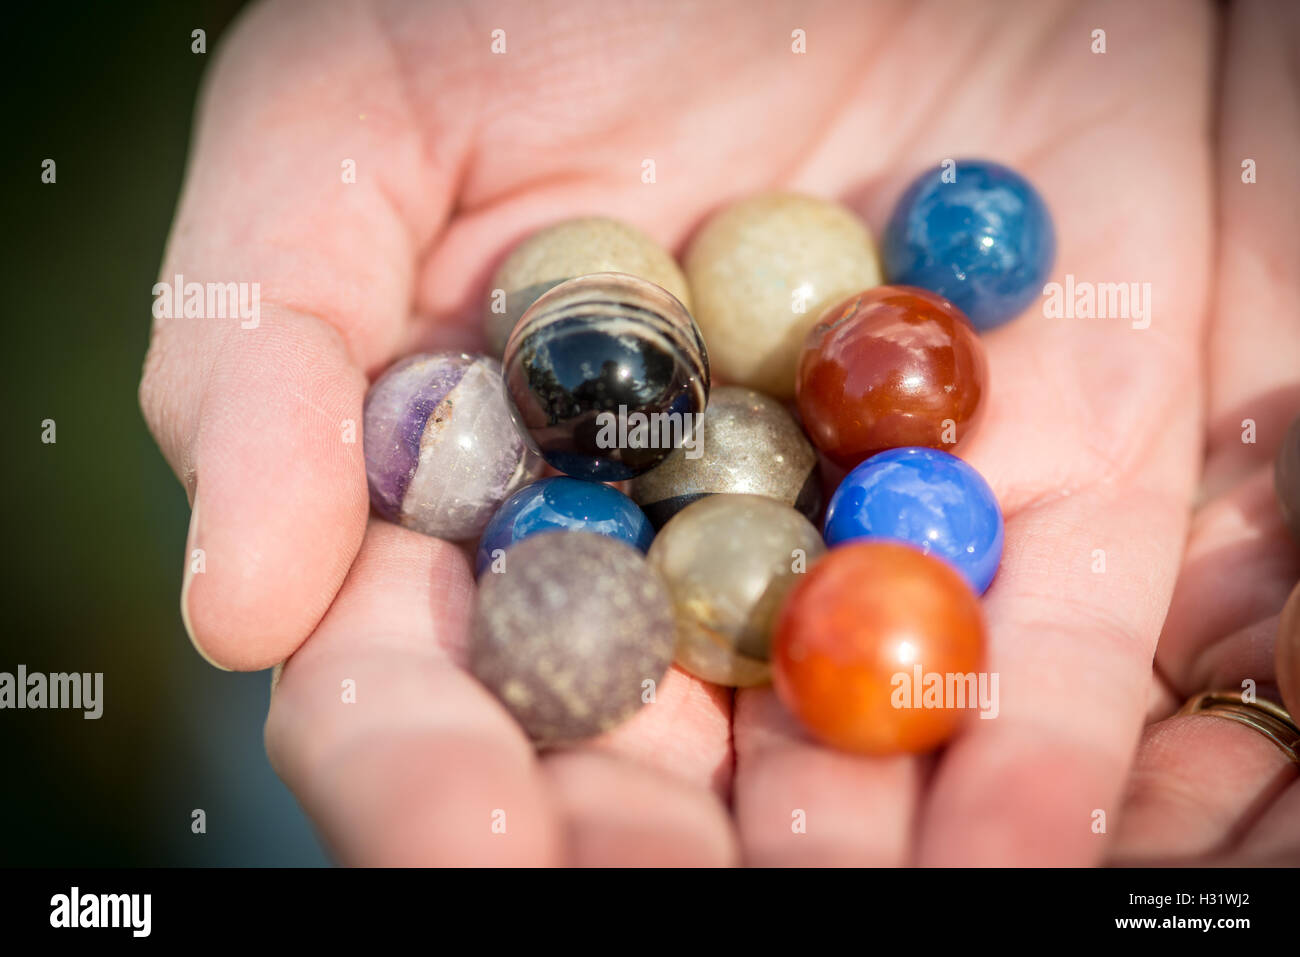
1091,439
1205,790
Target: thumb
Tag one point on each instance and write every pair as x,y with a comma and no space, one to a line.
295,280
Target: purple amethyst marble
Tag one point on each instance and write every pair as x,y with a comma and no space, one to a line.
442,451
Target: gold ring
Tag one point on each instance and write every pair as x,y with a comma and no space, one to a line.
1269,719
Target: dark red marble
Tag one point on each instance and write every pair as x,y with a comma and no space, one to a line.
893,366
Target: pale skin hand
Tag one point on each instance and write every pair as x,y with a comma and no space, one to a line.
1092,439
1206,790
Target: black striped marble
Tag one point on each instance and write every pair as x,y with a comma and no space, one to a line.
606,375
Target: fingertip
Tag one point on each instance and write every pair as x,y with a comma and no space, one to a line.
265,577
280,507
193,559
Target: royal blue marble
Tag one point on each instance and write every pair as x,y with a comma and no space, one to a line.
925,498
984,241
564,504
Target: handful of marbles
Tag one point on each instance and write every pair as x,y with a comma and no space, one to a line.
709,555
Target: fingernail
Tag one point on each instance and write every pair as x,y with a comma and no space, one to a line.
195,564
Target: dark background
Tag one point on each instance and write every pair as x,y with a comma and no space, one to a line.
95,523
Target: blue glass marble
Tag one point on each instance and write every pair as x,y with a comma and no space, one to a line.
925,498
564,504
985,241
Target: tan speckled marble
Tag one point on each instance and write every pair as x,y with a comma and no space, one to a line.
575,247
762,270
728,561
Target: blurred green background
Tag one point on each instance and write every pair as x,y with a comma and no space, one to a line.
95,523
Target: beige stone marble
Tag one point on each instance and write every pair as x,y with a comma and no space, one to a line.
762,270
575,247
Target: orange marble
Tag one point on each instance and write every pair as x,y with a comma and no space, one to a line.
856,634
893,366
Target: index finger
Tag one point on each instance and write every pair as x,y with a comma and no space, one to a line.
309,192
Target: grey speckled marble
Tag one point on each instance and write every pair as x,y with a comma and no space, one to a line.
569,633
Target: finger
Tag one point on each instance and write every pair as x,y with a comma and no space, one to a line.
1199,785
685,733
1246,655
1092,445
654,789
1254,380
259,412
798,803
1239,561
1274,839
397,754
1072,652
1237,569
1287,655
615,810
279,495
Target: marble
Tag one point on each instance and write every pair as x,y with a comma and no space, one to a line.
441,450
560,503
925,498
567,250
890,367
728,561
568,636
985,241
856,634
607,374
750,445
761,271
1286,478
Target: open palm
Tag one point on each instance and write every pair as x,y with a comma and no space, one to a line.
1205,790
1092,441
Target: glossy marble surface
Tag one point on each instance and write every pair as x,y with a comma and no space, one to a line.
985,241
606,375
567,250
560,503
889,367
857,631
728,561
569,632
761,271
441,449
749,445
1286,478
925,498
